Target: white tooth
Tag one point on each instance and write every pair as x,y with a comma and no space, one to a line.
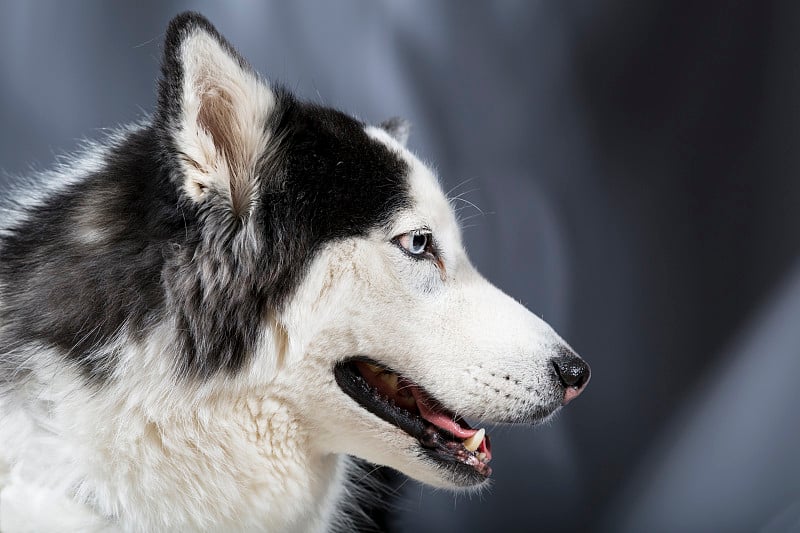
481,456
474,441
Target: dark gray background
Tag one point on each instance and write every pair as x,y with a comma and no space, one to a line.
637,167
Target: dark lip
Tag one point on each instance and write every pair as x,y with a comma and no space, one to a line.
354,385
437,445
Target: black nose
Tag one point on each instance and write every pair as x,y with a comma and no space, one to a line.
573,372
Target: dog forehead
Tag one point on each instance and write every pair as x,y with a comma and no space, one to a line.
428,205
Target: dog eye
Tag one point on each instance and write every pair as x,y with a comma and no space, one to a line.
418,243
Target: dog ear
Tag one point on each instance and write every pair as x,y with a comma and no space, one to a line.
214,109
397,127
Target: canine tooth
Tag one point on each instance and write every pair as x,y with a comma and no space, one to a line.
481,456
474,441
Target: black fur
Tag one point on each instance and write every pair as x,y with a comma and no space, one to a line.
162,256
75,297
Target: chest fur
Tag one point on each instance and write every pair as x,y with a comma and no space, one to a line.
228,465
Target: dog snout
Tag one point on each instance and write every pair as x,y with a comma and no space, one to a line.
573,374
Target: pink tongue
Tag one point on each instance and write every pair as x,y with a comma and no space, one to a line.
438,418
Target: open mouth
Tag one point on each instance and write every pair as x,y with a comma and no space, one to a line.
443,436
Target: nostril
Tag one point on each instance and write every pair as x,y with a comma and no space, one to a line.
572,371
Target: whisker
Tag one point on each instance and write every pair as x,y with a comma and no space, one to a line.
462,183
471,204
458,196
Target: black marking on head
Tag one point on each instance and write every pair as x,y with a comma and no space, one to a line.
163,257
330,175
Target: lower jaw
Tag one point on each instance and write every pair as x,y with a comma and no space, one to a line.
460,469
456,465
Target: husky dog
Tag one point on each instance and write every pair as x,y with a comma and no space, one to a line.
202,317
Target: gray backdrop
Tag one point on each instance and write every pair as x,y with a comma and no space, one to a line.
635,166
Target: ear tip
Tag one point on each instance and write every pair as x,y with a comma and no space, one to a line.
181,25
188,20
171,71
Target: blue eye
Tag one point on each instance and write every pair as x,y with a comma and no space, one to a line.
418,243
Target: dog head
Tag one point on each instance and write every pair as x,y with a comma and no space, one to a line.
326,261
